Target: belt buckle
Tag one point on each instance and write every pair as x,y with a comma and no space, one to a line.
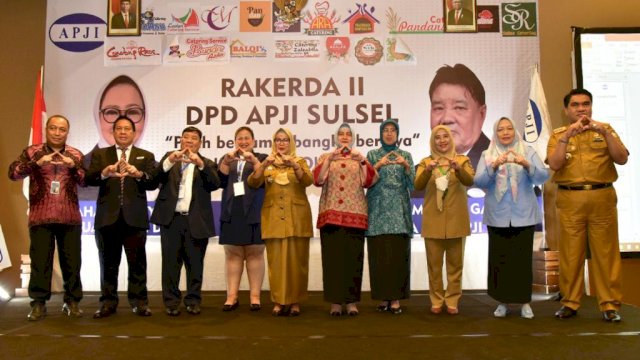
587,187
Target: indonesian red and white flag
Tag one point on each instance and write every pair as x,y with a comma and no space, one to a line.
38,118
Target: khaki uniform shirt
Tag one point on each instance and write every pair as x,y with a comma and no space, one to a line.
588,159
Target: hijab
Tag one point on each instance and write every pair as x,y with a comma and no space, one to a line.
440,172
392,147
353,136
435,153
507,173
292,147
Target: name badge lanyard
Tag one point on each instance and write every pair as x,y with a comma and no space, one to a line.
183,181
55,183
238,186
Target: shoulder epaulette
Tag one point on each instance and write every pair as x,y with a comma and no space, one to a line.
559,130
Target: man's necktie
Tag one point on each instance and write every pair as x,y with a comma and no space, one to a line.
457,16
126,20
122,169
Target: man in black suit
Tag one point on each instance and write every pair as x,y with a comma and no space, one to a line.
458,102
123,174
459,15
124,19
183,212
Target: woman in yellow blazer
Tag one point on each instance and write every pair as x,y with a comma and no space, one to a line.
445,216
286,222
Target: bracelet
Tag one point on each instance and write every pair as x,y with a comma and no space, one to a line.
564,141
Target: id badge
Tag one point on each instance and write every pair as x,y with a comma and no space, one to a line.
181,191
55,187
238,188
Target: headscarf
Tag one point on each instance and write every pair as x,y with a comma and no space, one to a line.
394,146
441,185
292,147
353,137
508,172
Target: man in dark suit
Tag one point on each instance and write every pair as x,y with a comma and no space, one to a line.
124,19
123,174
458,102
459,15
183,212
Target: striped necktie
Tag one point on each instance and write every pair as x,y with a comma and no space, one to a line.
122,164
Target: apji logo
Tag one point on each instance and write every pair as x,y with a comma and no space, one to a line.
77,32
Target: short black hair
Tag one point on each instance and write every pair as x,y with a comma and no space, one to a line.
57,116
567,98
194,130
243,128
133,125
461,75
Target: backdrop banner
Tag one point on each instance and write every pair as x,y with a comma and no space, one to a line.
219,65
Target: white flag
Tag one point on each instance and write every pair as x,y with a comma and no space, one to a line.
537,124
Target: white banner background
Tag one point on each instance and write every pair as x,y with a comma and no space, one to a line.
74,81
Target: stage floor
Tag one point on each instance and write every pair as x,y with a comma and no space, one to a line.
241,334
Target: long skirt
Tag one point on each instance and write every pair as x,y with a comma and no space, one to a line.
288,264
510,276
389,266
342,259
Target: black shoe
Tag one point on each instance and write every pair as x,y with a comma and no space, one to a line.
396,310
611,316
38,311
141,310
383,306
194,309
231,307
278,311
172,311
255,307
72,309
566,312
104,311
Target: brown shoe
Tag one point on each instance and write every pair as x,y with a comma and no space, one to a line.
104,311
72,309
38,311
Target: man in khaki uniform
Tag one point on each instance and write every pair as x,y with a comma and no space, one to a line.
583,155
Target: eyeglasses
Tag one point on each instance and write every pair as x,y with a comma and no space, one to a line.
111,115
389,131
286,140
